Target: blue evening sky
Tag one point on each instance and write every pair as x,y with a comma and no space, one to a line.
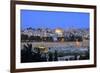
53,19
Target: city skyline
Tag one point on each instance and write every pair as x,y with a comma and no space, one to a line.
53,19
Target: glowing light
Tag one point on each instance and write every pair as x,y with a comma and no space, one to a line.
59,31
43,49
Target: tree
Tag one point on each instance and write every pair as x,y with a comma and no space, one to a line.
24,37
50,56
55,56
31,38
26,53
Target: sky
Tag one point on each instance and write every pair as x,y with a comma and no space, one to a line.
54,19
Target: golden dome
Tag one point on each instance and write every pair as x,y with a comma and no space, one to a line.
58,30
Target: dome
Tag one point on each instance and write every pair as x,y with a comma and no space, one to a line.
58,31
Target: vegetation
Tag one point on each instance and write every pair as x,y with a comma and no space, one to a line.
29,54
55,56
25,38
